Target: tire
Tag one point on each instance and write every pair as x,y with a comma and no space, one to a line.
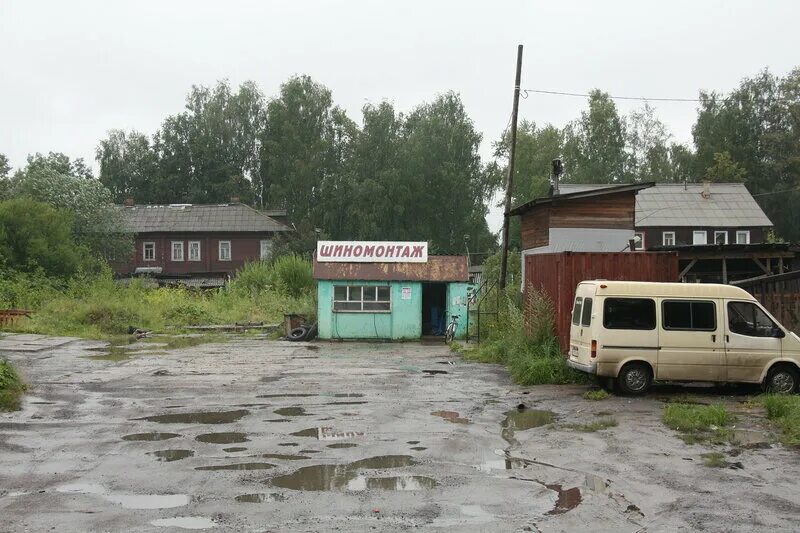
781,379
449,334
634,379
298,334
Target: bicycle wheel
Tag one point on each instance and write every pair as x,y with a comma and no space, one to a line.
448,336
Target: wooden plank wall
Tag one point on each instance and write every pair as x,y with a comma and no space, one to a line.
611,211
535,228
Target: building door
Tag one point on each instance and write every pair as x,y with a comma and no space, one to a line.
434,308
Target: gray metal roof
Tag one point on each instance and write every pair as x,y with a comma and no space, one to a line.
679,205
205,218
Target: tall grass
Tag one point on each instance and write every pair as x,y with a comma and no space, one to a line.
11,387
784,409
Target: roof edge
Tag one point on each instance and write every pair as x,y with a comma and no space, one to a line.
613,189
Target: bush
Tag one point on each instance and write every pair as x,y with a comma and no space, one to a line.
292,275
11,387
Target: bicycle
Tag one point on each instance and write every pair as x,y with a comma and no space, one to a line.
450,334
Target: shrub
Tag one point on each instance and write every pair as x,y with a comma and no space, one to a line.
292,274
11,387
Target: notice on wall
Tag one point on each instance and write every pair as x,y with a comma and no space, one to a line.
405,293
372,252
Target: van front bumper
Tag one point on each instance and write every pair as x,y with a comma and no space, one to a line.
590,368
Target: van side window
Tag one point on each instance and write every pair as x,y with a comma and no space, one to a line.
576,312
689,315
586,319
748,319
629,313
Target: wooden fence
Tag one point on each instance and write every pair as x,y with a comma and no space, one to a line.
780,294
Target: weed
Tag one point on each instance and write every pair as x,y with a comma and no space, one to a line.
591,427
456,347
784,410
699,423
11,387
714,460
595,395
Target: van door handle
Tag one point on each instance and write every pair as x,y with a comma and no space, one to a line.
713,338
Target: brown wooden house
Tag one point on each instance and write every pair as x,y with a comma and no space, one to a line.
200,244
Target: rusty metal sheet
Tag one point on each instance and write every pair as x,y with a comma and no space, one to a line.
438,268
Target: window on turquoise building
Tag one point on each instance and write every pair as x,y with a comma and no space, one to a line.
360,298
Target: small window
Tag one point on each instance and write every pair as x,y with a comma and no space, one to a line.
194,250
699,237
638,238
668,238
586,319
266,249
747,318
576,311
177,251
224,250
720,237
743,237
629,313
357,298
689,315
149,251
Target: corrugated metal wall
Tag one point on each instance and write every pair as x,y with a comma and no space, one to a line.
558,274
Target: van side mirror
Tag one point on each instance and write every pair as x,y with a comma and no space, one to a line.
778,332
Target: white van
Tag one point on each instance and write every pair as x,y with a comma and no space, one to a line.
638,332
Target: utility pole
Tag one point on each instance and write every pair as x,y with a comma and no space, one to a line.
510,180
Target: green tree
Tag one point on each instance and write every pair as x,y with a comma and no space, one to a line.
725,170
5,185
646,139
128,166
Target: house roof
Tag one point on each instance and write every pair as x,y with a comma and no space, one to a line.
586,191
438,268
198,218
679,205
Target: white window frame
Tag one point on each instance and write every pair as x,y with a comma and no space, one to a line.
746,233
199,251
230,250
362,301
152,248
699,232
725,233
266,245
640,245
664,236
172,251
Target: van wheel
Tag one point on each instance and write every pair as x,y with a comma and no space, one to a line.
781,380
634,378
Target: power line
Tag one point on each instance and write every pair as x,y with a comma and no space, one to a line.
583,95
776,192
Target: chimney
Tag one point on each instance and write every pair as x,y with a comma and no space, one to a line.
235,199
706,189
129,202
558,169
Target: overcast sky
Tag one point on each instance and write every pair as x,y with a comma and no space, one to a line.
73,70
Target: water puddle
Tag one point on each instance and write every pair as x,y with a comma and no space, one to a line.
451,416
172,455
278,420
261,498
288,444
291,411
520,420
112,352
286,395
310,451
345,403
412,442
401,483
327,433
418,448
567,500
284,457
348,395
270,379
434,372
218,417
128,501
229,437
332,477
185,522
234,449
154,435
342,445
237,466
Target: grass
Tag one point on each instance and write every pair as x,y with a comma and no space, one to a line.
714,460
784,410
11,387
699,423
591,427
595,395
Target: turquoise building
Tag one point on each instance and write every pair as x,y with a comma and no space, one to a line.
391,300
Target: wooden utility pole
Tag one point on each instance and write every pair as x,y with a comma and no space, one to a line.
510,180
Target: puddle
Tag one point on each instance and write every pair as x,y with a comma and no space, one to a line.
284,457
310,451
286,395
218,417
446,362
567,500
412,442
345,403
287,444
234,449
113,352
342,445
332,477
278,420
270,379
400,483
128,501
327,433
312,347
238,466
517,420
223,438
155,435
172,455
291,411
434,372
261,498
451,416
418,448
348,395
185,522
603,413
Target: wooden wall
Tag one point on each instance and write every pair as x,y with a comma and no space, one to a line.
535,227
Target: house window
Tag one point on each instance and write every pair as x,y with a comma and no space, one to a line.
266,249
720,237
194,250
639,242
149,251
699,237
668,238
224,250
743,237
359,298
177,250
